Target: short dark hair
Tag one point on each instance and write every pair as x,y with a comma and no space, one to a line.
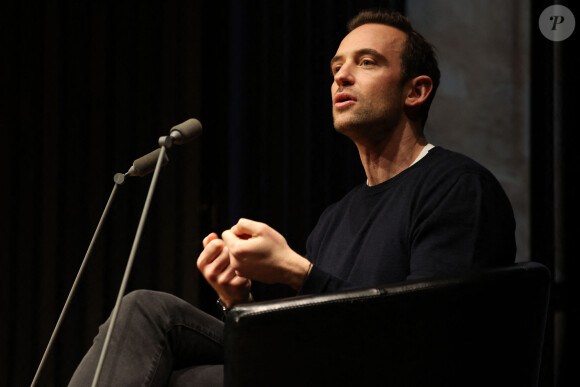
418,56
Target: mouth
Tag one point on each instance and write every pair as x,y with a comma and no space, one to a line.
342,100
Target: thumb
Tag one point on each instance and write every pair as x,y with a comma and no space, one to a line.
246,227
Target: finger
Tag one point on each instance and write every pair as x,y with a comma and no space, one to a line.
246,228
240,281
214,270
233,278
228,237
210,253
209,238
226,276
221,263
235,244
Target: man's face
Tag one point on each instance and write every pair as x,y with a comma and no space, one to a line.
367,94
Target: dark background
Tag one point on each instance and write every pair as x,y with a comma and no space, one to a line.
89,87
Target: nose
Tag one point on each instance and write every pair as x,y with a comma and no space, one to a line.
344,76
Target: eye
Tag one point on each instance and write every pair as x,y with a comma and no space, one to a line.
335,69
367,62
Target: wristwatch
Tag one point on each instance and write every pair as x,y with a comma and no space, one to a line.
222,307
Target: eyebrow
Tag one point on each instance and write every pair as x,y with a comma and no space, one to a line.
361,52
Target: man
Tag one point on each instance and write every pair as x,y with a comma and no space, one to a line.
424,211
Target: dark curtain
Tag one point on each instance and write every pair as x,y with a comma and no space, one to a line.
89,87
554,190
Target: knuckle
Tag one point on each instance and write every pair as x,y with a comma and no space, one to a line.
215,245
211,275
235,264
235,249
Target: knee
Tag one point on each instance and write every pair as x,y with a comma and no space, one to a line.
136,299
150,303
146,299
138,296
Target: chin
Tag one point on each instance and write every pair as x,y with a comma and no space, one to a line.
340,125
346,127
347,122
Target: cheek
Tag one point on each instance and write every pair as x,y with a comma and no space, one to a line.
391,94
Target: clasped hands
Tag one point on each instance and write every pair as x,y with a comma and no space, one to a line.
249,251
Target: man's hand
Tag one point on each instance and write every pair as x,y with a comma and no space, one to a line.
214,265
259,252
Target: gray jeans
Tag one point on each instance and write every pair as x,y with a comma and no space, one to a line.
158,340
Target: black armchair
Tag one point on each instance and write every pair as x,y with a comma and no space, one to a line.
480,328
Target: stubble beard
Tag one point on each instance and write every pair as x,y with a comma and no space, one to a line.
366,124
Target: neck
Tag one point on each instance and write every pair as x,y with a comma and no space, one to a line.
387,158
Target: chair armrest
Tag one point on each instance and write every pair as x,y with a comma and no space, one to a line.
469,329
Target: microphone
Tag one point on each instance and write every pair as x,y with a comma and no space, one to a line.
182,133
143,166
146,164
186,131
179,134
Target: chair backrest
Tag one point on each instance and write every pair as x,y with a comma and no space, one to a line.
480,328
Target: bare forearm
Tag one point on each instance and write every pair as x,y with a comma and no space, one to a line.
296,271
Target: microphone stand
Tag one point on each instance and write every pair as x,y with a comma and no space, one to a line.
119,179
179,134
164,142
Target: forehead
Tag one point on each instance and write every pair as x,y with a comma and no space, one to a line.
385,39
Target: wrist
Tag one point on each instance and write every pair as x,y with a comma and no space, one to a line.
224,308
298,272
226,303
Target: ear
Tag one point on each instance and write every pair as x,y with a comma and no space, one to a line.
419,90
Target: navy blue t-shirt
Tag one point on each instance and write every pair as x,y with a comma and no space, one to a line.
444,214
